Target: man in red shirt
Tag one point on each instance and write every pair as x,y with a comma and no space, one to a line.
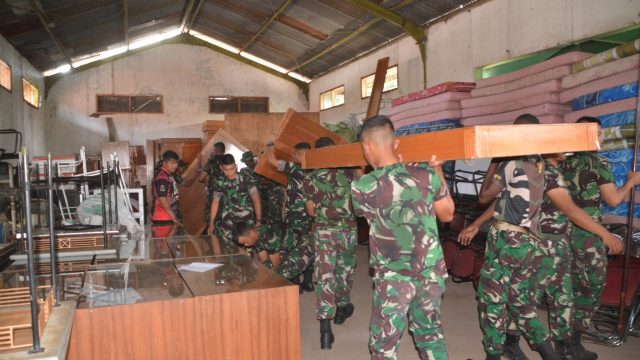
165,192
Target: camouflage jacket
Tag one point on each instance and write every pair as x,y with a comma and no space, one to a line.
295,211
522,182
552,220
212,168
235,197
269,240
584,172
272,199
397,201
330,192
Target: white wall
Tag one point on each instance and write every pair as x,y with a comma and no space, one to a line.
488,33
185,75
15,113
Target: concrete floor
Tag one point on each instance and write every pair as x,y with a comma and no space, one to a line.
459,317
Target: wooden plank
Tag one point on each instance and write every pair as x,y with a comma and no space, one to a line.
378,87
470,143
193,198
294,128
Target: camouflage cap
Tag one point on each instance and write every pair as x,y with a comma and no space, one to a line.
248,156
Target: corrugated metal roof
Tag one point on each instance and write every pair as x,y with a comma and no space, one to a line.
304,29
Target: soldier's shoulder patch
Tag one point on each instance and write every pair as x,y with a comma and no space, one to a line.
163,187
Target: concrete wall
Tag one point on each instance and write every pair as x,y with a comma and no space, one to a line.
184,75
15,113
488,33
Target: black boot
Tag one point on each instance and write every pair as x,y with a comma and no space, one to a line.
492,357
297,282
342,313
546,351
307,280
564,351
579,350
512,349
326,336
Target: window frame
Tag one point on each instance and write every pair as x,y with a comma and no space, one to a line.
331,90
397,80
238,103
37,107
10,88
129,106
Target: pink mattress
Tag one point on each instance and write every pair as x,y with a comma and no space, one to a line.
426,110
537,110
487,120
555,73
602,71
448,96
622,78
511,105
442,115
434,90
604,109
545,87
564,59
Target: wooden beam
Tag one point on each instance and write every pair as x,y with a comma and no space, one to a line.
378,86
470,143
266,24
302,27
43,21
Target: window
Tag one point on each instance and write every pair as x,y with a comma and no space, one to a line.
390,82
30,93
5,75
235,104
332,98
150,104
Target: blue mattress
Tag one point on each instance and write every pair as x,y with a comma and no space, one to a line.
617,119
621,210
621,162
426,127
615,93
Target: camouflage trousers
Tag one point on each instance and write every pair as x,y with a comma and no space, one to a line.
553,264
589,276
295,260
505,290
335,262
297,230
394,297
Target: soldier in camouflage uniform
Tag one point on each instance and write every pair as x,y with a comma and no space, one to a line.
265,244
271,194
401,203
211,173
589,181
239,197
328,192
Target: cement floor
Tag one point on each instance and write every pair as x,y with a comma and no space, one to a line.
459,317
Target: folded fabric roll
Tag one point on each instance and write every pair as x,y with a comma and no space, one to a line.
538,110
606,56
618,119
619,132
435,90
511,105
612,94
545,87
604,109
448,96
447,114
622,78
490,120
550,74
602,71
618,144
564,59
426,110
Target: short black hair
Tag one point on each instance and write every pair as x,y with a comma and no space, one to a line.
227,159
220,146
376,122
241,228
324,142
526,119
589,119
170,155
302,146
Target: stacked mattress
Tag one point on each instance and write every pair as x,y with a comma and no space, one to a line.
605,86
534,90
432,109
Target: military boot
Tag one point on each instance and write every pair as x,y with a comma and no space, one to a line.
307,280
564,351
512,349
326,336
579,350
342,313
546,351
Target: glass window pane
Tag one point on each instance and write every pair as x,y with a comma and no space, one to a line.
221,104
146,104
255,105
5,75
113,104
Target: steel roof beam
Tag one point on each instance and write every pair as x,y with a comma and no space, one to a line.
43,21
266,24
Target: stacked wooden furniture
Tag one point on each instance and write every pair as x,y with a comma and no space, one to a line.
15,316
210,128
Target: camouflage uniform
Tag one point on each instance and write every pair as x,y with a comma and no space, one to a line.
272,200
297,221
584,173
505,285
212,168
409,269
293,261
335,237
235,198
